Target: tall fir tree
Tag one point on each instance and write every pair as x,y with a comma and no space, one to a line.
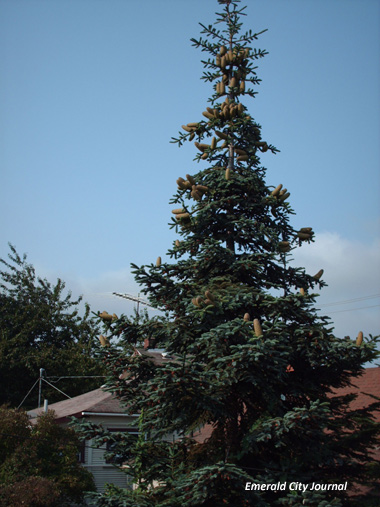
249,357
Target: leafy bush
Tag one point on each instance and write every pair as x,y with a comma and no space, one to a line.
30,492
43,456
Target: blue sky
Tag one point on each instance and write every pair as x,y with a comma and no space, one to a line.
93,90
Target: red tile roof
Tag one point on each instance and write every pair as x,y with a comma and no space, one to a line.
101,401
368,382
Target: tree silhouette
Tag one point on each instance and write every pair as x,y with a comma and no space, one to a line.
248,357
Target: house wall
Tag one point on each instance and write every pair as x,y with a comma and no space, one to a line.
94,457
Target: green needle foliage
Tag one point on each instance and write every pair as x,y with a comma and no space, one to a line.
250,358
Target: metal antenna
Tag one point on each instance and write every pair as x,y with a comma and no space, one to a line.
136,299
42,373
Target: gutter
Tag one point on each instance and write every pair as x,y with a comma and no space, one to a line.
110,414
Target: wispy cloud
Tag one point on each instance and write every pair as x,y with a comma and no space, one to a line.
352,272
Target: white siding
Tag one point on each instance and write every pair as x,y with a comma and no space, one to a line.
104,474
94,457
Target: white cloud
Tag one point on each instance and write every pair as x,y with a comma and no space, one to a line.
352,271
98,292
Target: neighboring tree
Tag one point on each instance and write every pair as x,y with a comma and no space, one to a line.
251,357
40,327
39,464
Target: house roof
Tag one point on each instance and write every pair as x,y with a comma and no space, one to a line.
101,401
156,356
368,382
365,384
97,401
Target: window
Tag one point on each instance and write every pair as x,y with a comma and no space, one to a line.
81,452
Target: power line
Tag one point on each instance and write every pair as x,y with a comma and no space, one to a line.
354,309
335,303
347,301
74,376
42,378
30,390
56,388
